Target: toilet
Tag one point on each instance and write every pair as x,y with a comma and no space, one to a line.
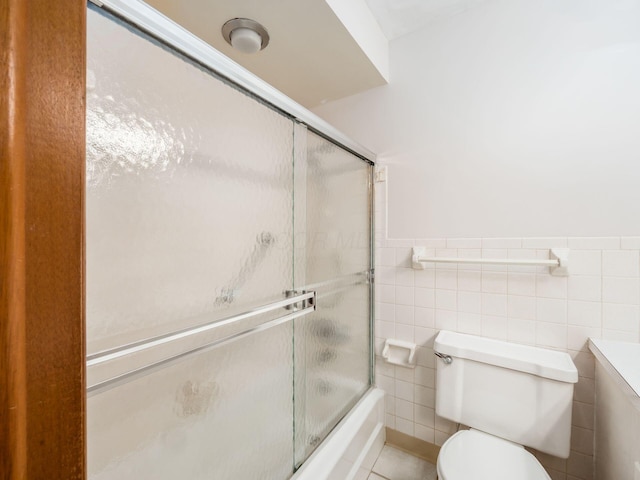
511,396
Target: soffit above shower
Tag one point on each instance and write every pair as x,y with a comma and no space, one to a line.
317,53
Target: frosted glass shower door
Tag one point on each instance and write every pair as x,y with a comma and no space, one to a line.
189,225
332,344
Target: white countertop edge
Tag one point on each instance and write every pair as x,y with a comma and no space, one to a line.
630,387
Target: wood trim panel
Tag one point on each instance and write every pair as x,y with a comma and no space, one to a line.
42,158
416,447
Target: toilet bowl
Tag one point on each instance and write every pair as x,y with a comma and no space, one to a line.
470,454
511,396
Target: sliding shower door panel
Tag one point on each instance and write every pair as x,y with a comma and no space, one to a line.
189,193
219,414
189,222
333,343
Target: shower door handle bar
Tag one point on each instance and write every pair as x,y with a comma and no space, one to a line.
126,377
135,347
348,280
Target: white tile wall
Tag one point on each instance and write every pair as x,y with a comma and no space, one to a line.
600,299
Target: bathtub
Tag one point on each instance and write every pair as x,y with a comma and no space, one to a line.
351,449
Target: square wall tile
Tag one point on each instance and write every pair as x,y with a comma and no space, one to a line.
522,307
385,329
551,335
582,415
551,310
425,396
404,295
404,390
621,290
494,282
404,314
424,297
446,320
404,409
403,373
386,293
586,288
521,331
470,323
522,284
621,317
425,416
585,391
385,312
585,262
425,278
387,257
469,281
493,304
447,279
469,302
494,327
621,263
386,275
425,376
588,314
446,299
404,276
405,332
551,287
424,317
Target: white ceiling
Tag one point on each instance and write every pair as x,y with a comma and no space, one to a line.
400,17
311,56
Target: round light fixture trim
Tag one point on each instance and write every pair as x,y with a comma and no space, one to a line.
245,35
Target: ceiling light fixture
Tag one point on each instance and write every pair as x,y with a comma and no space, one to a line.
245,35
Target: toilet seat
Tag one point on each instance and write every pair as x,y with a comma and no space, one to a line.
475,455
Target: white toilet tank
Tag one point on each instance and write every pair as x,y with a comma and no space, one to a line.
516,392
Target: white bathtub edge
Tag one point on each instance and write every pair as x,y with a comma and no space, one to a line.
353,445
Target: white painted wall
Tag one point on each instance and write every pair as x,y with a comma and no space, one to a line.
514,118
358,19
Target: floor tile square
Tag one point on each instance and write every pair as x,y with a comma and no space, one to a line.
394,464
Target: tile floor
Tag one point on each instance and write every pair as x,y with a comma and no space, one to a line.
394,464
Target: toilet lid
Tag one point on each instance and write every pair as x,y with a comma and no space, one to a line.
471,454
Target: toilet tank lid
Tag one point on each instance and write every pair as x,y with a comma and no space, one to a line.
536,361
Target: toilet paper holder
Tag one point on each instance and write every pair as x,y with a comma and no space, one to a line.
399,352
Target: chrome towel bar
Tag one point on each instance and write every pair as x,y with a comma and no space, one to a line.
558,262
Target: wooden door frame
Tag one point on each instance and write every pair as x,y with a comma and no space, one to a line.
42,164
